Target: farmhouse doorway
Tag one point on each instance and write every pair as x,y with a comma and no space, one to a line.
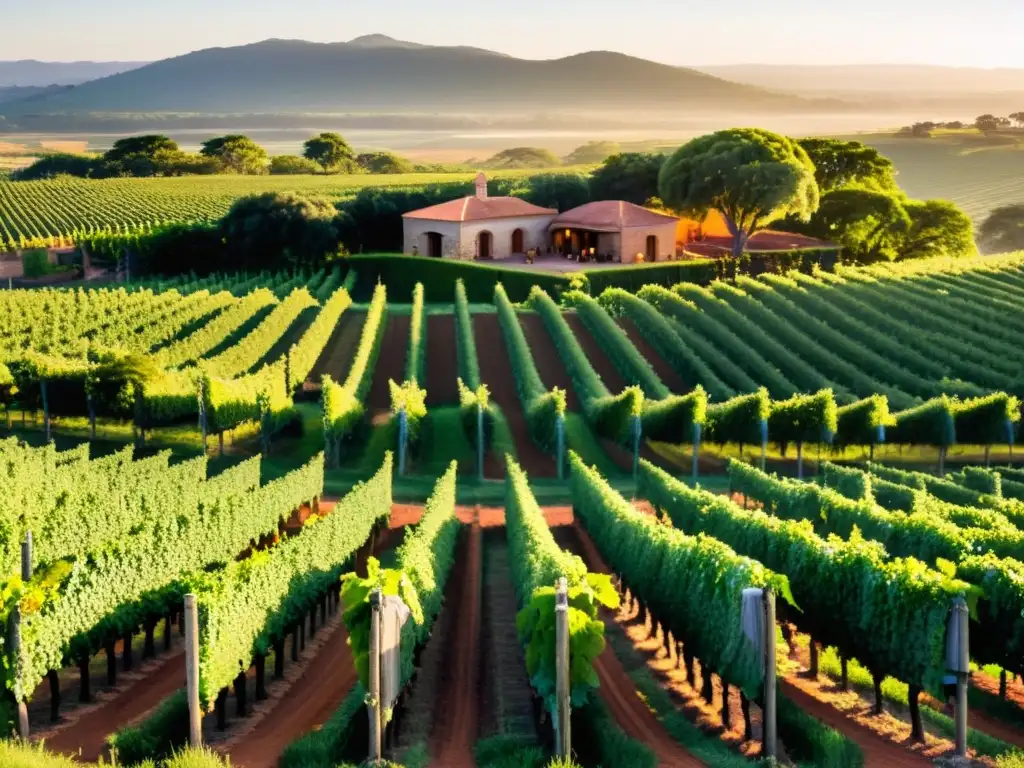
434,245
484,250
652,248
518,244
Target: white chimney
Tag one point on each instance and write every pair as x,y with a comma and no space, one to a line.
481,187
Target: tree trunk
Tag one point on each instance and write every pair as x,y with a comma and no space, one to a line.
126,651
1002,684
707,690
54,679
725,705
111,652
279,659
813,671
844,673
679,655
748,730
261,681
312,621
240,694
877,680
149,649
221,708
295,642
84,694
916,725
302,635
688,660
167,631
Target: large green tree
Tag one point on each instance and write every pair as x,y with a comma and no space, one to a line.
331,152
269,230
870,225
1018,118
146,146
239,154
937,228
630,176
839,164
561,191
384,162
1003,230
751,176
292,165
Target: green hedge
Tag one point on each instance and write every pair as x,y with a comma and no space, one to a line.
812,742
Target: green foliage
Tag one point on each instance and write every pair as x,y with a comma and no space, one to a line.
840,164
416,359
331,152
811,741
523,157
751,176
383,162
870,224
888,613
465,339
156,737
239,154
804,419
672,420
693,585
851,483
302,355
149,145
937,228
471,401
600,738
245,607
610,415
738,420
537,564
858,423
264,230
419,577
35,263
558,191
325,747
931,423
343,403
630,176
543,408
411,398
291,165
1003,230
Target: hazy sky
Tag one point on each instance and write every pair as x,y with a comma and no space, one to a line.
980,33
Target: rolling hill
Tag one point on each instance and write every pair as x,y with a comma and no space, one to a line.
29,72
378,74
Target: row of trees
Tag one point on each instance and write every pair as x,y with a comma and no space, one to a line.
984,123
158,155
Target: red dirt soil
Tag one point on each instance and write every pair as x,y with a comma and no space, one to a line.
456,729
545,355
390,364
617,689
442,361
877,750
986,723
496,373
87,736
487,517
668,375
337,356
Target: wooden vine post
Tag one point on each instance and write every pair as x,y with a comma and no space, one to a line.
560,445
696,447
958,661
26,576
92,415
202,412
195,728
480,441
764,443
373,700
403,439
770,719
563,693
637,427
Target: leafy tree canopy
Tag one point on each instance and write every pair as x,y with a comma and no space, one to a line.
259,230
839,164
292,165
869,224
147,146
331,152
937,228
523,157
557,190
631,176
384,162
1018,118
1003,230
593,152
751,176
239,154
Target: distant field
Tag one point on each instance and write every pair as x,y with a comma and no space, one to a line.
35,213
975,172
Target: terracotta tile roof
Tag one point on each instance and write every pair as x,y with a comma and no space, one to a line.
612,216
480,209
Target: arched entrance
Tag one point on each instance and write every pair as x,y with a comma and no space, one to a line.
483,246
518,242
652,248
434,244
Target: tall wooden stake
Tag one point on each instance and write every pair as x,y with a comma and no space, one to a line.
374,706
23,731
696,449
195,728
962,616
480,442
563,730
560,446
770,724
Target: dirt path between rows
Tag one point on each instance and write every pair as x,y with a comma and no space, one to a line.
390,363
442,361
496,373
617,689
988,724
877,750
487,517
668,375
340,350
457,724
545,355
87,736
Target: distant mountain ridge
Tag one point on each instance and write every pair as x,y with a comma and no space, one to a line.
31,73
376,73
